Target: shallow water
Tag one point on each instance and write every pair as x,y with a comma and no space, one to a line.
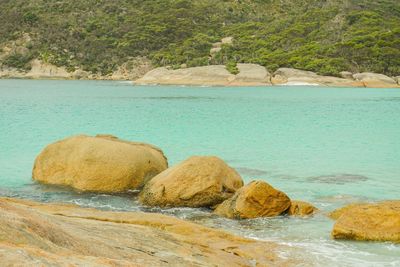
329,146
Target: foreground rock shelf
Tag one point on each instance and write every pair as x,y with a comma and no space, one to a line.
63,235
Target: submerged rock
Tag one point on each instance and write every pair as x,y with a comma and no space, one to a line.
257,199
196,182
34,234
368,222
301,208
215,75
375,80
341,178
289,76
101,164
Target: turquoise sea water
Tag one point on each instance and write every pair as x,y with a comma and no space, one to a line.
329,146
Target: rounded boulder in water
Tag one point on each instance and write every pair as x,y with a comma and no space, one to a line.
98,164
196,182
257,199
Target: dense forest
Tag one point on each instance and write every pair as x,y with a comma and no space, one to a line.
325,36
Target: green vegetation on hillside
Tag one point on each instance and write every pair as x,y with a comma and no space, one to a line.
325,36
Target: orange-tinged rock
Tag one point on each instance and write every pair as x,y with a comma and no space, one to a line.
196,182
368,222
101,164
34,234
257,199
301,208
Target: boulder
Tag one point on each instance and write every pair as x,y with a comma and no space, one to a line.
397,79
43,70
369,222
289,76
374,80
346,75
207,75
35,234
101,164
215,75
334,215
257,199
227,40
301,208
217,47
80,74
252,75
196,182
132,69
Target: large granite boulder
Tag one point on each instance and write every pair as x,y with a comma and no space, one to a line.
375,80
257,199
101,164
196,182
215,75
207,75
301,208
346,75
289,76
368,222
252,75
43,70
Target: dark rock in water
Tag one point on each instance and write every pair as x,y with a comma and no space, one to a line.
342,178
251,172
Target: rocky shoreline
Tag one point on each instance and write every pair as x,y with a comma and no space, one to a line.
64,234
256,75
141,72
32,233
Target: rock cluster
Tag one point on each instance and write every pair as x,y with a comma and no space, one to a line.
105,163
368,222
215,75
256,75
287,76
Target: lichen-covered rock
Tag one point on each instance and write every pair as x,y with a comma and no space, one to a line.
101,164
375,80
196,182
368,222
334,215
301,208
257,199
34,234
